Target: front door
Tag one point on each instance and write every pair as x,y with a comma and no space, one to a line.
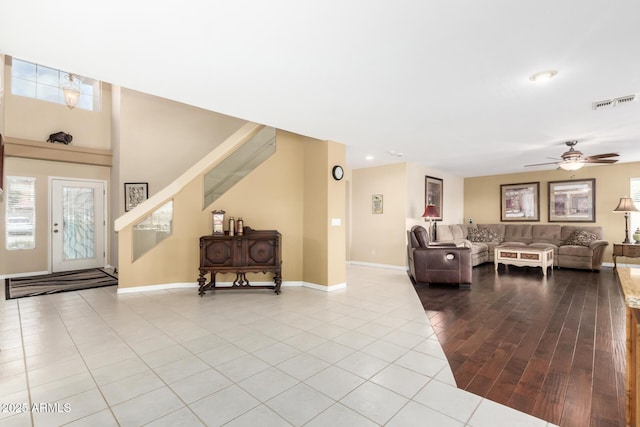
77,224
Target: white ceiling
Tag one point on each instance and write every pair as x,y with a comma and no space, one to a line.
444,82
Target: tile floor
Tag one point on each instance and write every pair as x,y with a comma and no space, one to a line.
362,356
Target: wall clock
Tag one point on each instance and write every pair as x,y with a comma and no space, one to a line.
337,172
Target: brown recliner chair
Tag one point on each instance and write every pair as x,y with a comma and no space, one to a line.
437,263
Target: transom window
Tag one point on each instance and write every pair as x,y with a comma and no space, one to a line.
46,84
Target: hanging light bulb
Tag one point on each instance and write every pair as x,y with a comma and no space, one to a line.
71,93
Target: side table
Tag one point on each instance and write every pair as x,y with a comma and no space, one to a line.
630,250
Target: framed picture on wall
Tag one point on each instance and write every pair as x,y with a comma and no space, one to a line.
572,201
520,202
376,204
134,194
433,195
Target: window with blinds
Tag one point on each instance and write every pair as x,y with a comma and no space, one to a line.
20,226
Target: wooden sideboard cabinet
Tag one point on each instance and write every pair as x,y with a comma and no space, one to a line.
630,250
255,251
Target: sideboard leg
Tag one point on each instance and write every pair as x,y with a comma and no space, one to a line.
202,283
278,281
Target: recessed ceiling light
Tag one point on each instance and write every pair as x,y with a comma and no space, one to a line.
543,76
369,158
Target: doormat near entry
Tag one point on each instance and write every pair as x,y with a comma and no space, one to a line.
45,284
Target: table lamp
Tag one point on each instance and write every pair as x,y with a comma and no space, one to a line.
626,205
430,211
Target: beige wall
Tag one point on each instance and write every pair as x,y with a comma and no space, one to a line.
381,238
37,259
273,196
482,195
159,139
32,119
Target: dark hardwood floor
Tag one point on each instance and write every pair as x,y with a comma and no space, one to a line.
553,348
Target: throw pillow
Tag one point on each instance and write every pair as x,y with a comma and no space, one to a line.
581,238
483,235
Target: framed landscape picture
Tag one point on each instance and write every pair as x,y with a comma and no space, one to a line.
520,202
572,201
433,194
134,194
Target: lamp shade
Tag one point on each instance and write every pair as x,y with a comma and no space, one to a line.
430,211
626,205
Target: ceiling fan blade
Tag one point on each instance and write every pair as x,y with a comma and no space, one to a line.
608,161
543,164
602,156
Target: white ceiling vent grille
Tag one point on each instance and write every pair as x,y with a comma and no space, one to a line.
605,103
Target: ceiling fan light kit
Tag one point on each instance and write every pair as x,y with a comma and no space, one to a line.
573,159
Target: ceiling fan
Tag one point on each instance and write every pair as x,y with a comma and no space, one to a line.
573,159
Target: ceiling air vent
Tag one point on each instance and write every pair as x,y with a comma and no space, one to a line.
622,100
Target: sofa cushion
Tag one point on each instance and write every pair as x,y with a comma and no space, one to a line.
568,230
517,233
444,233
546,233
481,234
580,238
457,231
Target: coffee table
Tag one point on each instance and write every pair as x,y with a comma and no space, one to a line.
524,256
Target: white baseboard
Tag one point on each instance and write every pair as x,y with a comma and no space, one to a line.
34,273
370,264
166,286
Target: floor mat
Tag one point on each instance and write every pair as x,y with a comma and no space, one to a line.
19,287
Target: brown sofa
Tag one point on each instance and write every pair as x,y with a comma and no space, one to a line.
574,246
437,263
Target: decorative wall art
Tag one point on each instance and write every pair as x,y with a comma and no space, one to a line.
376,204
520,202
134,194
572,201
433,194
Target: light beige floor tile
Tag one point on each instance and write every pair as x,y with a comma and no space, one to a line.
374,402
165,355
14,403
68,367
180,369
303,366
243,367
276,353
68,409
328,331
305,341
431,347
147,407
268,383
109,356
400,380
449,400
119,370
374,330
182,417
62,388
203,343
421,363
362,364
384,350
416,415
221,354
490,414
259,416
200,385
224,406
340,415
127,388
10,419
103,418
299,404
334,382
331,352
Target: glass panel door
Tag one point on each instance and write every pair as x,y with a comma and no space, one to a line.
77,225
